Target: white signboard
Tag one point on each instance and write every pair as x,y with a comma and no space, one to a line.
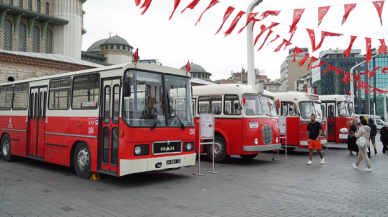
206,123
282,124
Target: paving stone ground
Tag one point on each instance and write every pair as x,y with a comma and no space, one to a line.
260,187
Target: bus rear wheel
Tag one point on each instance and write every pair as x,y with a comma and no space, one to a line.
248,157
220,155
6,148
82,160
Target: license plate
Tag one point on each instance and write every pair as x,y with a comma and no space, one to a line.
269,147
175,161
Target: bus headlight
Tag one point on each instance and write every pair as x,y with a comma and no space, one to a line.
137,150
188,146
256,141
277,139
141,150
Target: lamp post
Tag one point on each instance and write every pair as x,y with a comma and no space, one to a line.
385,106
250,52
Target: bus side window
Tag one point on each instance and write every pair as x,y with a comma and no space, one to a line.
209,104
59,94
330,112
20,98
292,110
284,109
86,90
231,105
323,111
6,97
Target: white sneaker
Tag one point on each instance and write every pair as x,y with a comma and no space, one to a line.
368,169
310,162
322,160
355,166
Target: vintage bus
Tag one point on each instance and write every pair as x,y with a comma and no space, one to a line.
298,107
339,111
114,120
245,120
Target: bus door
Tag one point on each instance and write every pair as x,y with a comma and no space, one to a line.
110,124
330,121
37,117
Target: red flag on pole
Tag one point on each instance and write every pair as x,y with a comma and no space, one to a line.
348,9
301,63
379,7
297,15
137,2
146,5
191,5
227,14
188,66
269,33
350,94
368,43
322,11
347,51
305,89
263,29
234,23
278,104
313,59
345,91
136,55
251,17
176,4
277,36
382,47
267,13
312,38
244,101
212,3
297,50
315,91
323,35
320,63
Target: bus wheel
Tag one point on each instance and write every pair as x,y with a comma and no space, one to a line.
248,157
82,160
219,150
6,148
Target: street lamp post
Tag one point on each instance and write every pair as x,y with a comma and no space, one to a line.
250,52
385,106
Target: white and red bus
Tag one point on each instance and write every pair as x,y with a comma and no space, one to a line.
115,120
298,107
244,129
339,111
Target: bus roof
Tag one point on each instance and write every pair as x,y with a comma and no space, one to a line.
297,96
140,66
226,89
334,97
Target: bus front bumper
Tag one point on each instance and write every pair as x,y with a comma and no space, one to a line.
262,147
155,164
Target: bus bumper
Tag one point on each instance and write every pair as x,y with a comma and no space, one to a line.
262,147
149,164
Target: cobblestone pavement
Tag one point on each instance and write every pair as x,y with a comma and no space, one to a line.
260,187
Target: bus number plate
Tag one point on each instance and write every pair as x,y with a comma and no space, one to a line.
269,147
175,161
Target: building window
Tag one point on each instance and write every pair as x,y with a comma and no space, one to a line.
111,47
47,8
49,39
35,39
30,5
22,37
118,47
7,35
106,47
38,6
123,48
10,2
20,3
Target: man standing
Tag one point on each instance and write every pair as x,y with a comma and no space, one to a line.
314,131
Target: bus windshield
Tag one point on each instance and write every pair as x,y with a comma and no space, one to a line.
147,105
252,105
306,109
318,110
343,110
268,106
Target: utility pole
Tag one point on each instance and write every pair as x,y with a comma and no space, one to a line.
251,56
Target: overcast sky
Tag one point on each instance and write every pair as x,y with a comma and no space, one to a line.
174,42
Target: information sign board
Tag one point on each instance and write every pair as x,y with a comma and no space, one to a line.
206,123
282,124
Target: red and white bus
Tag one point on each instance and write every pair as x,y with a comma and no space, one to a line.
115,120
298,107
339,111
245,120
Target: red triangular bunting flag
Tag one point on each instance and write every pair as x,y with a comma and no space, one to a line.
322,11
146,5
385,70
254,22
269,33
251,17
304,59
350,94
176,4
312,38
368,43
348,9
379,7
267,13
313,59
188,66
297,15
281,45
345,91
212,3
263,29
382,47
347,51
296,51
320,63
191,5
137,2
234,23
136,55
323,35
277,36
292,35
228,12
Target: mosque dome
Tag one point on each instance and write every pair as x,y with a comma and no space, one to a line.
198,71
95,47
116,40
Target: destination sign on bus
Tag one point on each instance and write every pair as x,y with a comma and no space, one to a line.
314,97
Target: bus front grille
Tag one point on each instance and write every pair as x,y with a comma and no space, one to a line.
267,134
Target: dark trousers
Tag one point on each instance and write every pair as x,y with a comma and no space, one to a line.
385,149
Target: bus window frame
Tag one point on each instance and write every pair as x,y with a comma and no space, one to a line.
13,96
288,103
10,108
210,104
223,110
70,95
99,91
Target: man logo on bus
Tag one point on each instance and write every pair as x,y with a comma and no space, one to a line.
167,148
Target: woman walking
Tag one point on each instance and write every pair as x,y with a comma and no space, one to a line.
362,154
352,146
384,137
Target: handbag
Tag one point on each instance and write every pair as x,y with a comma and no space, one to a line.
361,142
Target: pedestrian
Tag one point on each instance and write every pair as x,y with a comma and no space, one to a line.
359,122
314,131
365,132
352,146
373,132
384,137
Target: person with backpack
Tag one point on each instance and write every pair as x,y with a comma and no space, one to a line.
363,136
373,132
384,137
352,146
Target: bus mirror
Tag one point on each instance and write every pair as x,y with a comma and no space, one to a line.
126,87
236,106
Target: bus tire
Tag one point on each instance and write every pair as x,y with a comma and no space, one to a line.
248,157
220,150
82,160
6,148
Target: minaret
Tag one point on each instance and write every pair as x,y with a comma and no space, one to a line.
68,38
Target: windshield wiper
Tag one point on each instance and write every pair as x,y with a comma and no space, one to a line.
179,120
154,125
